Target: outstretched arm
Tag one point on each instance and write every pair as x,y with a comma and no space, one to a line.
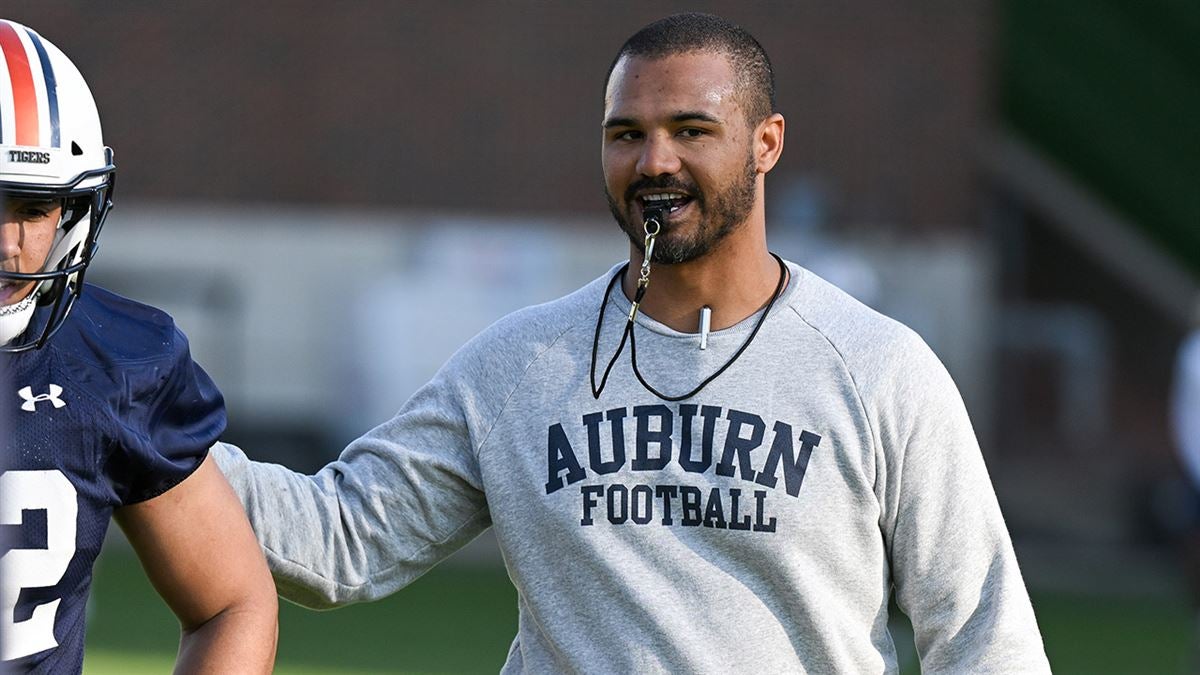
399,499
201,555
365,525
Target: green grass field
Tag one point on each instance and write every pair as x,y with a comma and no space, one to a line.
453,620
462,619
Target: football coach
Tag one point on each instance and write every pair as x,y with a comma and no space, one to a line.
741,498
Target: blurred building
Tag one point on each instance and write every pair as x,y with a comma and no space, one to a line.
1094,210
496,106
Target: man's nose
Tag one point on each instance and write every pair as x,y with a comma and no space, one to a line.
658,156
11,237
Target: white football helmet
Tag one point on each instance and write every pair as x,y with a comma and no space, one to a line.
50,148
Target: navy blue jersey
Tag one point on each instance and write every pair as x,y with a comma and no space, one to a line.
111,412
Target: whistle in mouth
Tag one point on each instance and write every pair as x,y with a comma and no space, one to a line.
654,213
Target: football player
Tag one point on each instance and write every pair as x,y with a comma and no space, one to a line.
106,415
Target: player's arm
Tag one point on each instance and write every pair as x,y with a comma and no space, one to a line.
201,555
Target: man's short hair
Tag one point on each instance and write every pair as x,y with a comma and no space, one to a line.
695,32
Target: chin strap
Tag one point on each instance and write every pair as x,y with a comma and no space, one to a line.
68,242
15,318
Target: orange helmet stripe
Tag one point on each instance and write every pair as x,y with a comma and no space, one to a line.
25,107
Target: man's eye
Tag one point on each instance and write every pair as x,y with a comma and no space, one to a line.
30,210
691,133
629,135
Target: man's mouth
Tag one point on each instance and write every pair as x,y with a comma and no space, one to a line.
670,202
9,289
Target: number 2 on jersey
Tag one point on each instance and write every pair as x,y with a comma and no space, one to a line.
22,491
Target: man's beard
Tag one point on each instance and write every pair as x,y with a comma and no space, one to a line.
719,215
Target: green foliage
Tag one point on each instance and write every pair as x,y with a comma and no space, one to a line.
1110,90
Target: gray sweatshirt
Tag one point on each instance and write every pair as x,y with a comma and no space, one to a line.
757,527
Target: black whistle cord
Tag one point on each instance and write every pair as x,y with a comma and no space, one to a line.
627,334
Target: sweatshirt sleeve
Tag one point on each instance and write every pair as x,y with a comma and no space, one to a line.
398,500
953,566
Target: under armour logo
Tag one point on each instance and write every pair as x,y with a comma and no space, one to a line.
31,401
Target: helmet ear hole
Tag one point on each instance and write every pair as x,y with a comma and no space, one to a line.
75,149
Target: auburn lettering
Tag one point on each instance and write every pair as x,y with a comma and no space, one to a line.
662,437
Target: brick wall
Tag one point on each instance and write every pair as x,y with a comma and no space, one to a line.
495,106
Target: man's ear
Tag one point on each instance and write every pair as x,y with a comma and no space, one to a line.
768,142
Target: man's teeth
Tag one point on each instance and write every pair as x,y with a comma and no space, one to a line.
665,199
